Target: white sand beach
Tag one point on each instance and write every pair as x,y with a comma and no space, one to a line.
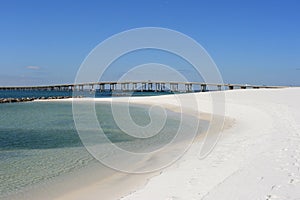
150,100
257,158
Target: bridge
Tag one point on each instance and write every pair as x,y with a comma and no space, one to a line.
139,86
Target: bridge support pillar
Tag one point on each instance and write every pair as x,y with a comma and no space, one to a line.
188,87
143,87
123,87
157,87
203,88
134,86
91,87
112,87
101,87
162,87
150,88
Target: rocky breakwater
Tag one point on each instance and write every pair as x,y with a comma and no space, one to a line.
26,99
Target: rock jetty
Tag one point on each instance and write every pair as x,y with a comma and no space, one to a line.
26,99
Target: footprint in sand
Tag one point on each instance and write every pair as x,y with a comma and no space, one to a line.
294,181
285,149
173,198
296,164
193,181
270,197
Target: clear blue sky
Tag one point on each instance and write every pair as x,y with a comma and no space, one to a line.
254,42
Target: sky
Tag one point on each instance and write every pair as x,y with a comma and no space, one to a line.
251,42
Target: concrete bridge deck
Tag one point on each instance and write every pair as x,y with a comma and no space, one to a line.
139,86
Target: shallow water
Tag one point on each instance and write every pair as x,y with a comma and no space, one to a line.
39,142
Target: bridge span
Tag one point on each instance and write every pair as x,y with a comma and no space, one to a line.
140,86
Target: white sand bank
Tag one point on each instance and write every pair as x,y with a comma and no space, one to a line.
258,158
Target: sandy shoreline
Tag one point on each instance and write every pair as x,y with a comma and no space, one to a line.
258,158
123,183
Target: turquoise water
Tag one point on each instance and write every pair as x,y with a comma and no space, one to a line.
39,142
97,94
